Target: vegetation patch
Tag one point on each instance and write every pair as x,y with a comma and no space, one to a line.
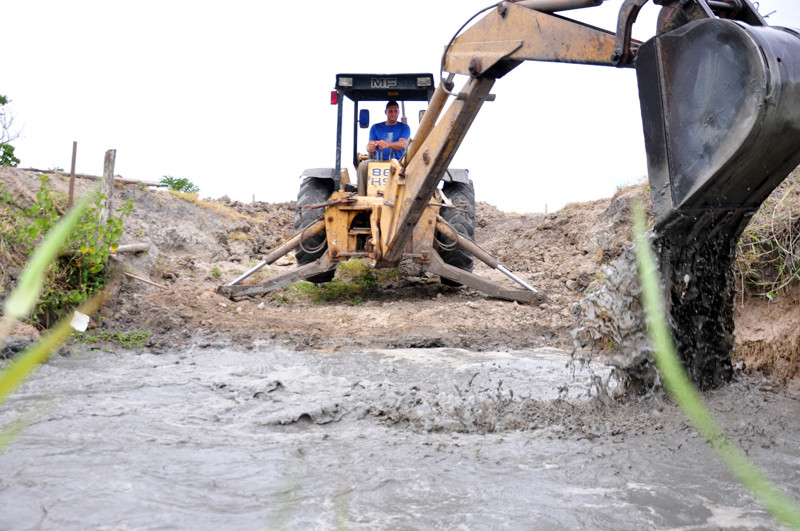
335,291
192,197
358,269
134,339
355,283
80,269
768,253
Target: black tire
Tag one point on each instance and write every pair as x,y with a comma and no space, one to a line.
312,191
463,220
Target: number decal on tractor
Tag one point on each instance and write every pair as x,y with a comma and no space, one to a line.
378,176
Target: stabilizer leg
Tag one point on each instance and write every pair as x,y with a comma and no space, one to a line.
321,265
436,266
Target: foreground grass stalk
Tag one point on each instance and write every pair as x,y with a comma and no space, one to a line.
18,370
686,395
27,418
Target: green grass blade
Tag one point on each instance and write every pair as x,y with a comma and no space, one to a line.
18,370
21,301
10,432
686,395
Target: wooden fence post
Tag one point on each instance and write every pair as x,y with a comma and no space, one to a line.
72,175
107,185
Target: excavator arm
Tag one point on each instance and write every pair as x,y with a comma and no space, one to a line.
693,45
507,36
719,92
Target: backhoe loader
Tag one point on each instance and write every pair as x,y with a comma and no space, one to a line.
334,222
719,92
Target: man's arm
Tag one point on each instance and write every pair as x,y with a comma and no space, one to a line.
398,145
372,145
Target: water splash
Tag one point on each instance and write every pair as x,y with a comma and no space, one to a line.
695,269
612,320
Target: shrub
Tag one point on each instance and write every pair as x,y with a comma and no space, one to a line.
7,135
7,157
180,185
80,268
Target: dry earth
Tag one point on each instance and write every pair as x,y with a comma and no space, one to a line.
197,245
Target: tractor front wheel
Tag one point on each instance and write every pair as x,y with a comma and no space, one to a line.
462,218
312,191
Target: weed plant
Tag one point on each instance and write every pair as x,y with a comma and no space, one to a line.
79,270
768,253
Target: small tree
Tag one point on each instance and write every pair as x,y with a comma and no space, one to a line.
180,185
7,134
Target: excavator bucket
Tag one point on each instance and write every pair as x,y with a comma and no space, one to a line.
720,105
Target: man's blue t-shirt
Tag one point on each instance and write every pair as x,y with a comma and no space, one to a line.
389,133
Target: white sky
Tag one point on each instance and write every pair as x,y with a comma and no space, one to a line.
235,95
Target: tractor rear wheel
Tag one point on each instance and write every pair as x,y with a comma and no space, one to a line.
462,218
312,191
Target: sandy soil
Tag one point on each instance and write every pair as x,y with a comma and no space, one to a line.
197,245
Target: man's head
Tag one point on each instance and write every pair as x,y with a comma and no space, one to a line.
392,112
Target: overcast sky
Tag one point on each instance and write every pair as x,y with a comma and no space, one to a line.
235,95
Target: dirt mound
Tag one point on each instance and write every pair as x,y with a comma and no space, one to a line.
196,245
767,335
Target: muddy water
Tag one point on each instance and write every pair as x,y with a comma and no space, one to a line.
219,438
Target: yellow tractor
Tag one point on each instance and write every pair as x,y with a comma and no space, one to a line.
334,222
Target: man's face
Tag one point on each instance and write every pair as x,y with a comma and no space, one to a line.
392,112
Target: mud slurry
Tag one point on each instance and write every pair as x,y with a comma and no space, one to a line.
612,319
467,392
435,390
216,437
695,254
